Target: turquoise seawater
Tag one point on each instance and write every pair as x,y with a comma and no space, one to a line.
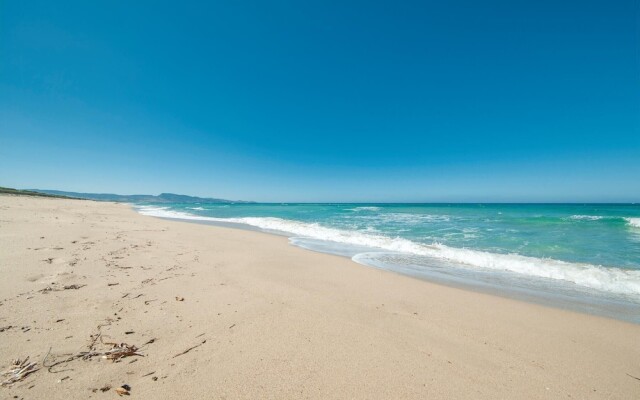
587,255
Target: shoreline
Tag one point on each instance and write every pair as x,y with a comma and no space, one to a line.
585,303
271,320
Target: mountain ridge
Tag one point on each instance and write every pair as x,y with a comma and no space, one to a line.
138,198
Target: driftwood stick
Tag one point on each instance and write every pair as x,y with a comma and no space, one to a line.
190,348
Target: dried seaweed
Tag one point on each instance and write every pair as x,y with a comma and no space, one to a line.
58,289
19,370
115,352
120,350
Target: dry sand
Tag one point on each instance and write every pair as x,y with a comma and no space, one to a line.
271,320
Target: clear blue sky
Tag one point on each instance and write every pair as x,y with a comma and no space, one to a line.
324,101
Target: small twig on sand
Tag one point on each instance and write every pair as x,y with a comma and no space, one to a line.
74,286
190,348
634,377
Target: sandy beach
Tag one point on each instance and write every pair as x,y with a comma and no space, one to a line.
220,313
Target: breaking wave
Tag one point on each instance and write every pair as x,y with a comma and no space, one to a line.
634,222
607,279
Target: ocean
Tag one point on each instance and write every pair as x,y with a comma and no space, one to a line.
584,257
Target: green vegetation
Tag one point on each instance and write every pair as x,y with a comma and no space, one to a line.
18,192
135,198
138,198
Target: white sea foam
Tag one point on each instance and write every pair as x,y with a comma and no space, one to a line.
166,212
608,279
403,218
368,208
635,222
414,218
631,221
196,208
586,217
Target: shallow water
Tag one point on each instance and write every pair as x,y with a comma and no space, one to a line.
584,257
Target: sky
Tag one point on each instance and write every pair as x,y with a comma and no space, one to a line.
324,101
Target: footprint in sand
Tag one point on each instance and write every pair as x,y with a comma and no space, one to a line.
52,260
35,278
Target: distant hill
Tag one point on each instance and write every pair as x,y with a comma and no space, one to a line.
136,198
18,192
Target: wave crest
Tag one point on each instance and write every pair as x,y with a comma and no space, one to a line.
634,222
586,217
